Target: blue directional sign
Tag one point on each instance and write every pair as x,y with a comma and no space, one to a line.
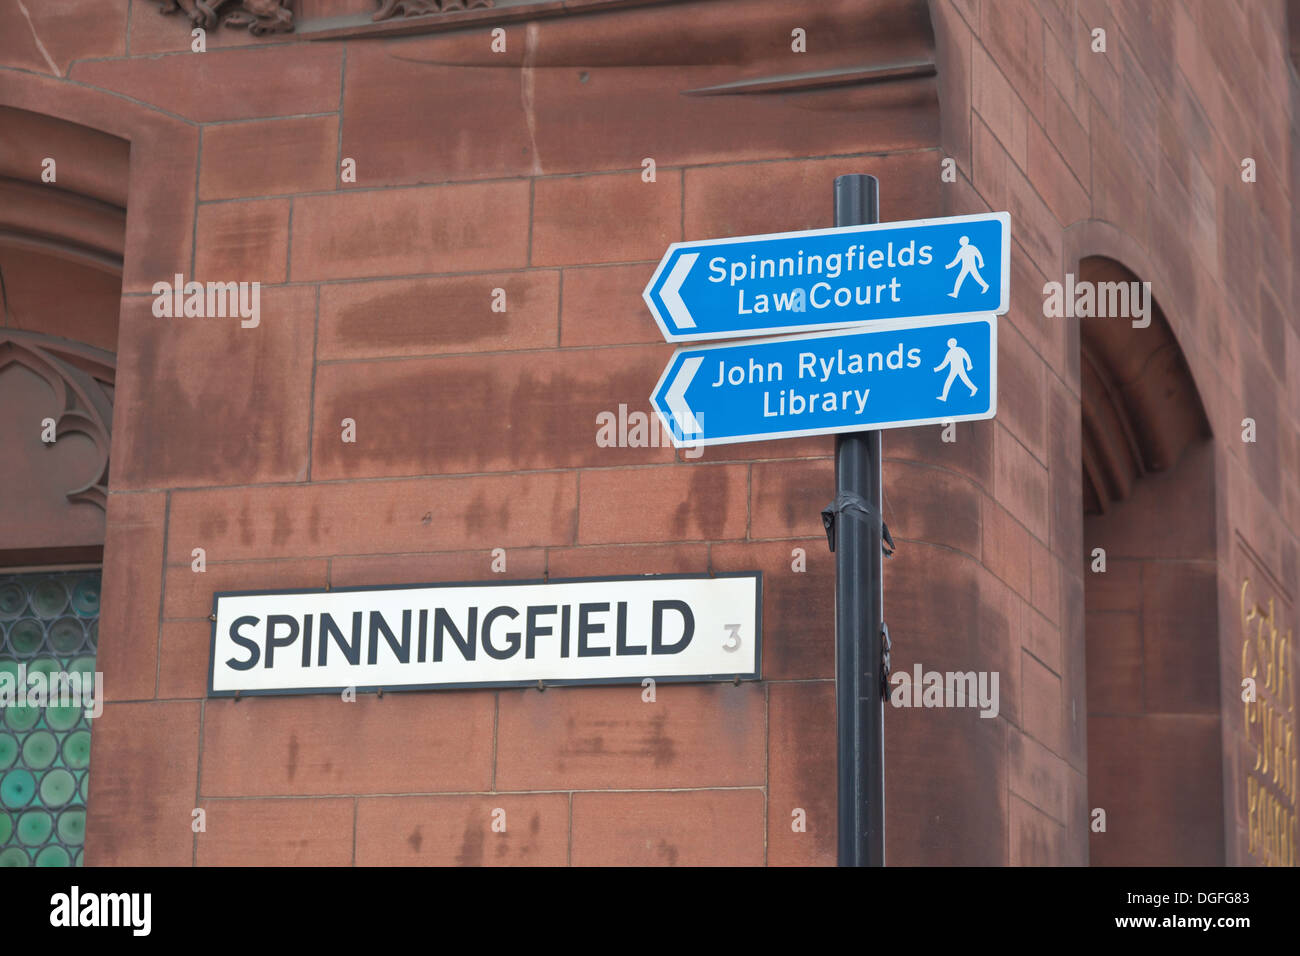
890,375
832,278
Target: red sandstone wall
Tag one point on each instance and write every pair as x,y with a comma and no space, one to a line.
1134,154
476,431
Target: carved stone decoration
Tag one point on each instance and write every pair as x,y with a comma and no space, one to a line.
260,16
82,379
389,9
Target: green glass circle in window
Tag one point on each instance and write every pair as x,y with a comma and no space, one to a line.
85,597
53,856
67,635
72,827
8,752
14,857
39,749
58,787
49,598
84,789
22,718
35,827
82,665
63,718
6,827
17,787
43,665
25,637
12,601
76,750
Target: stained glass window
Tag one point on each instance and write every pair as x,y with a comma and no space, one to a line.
48,626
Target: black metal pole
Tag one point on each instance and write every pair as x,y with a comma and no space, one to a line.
859,600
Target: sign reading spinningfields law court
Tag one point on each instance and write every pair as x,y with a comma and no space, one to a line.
832,278
492,634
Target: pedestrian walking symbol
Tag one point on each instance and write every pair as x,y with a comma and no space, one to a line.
957,361
971,262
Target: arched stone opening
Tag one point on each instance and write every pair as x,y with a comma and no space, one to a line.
1151,616
63,190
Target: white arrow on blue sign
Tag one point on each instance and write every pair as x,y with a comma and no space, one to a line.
888,375
832,278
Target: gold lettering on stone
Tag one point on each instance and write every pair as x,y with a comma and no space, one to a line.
1270,731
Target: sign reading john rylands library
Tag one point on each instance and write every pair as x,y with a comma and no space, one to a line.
497,634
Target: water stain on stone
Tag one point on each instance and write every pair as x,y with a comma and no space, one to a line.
211,526
586,746
792,602
667,852
474,518
658,745
736,708
282,527
703,513
245,526
623,737
415,840
471,845
292,766
487,419
545,428
357,325
794,497
708,497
